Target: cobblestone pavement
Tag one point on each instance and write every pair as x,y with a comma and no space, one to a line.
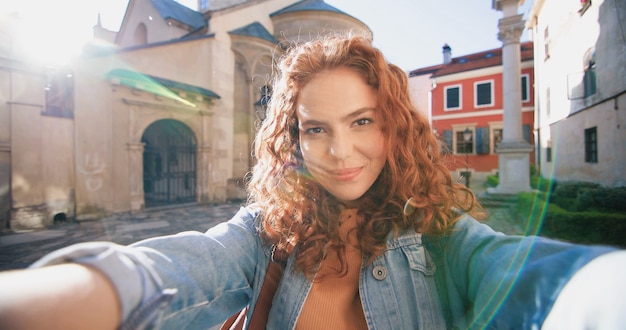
18,250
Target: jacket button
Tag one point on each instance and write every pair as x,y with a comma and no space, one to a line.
379,273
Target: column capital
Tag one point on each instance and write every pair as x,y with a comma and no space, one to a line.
500,4
511,29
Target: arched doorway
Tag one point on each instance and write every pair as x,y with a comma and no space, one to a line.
169,163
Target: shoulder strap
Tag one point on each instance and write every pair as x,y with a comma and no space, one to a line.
263,305
262,308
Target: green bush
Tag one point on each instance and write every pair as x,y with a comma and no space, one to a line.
530,208
572,189
611,199
586,227
542,184
586,196
530,200
533,170
492,180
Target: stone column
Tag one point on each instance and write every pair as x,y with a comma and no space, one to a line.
135,156
205,153
203,186
513,151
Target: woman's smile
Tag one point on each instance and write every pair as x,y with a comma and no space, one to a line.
348,174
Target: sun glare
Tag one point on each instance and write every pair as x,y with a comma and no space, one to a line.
49,32
51,42
52,32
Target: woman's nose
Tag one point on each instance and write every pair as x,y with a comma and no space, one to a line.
341,146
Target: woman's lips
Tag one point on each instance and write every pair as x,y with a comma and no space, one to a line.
344,175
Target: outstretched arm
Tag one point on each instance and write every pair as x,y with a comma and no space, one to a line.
67,296
169,281
503,280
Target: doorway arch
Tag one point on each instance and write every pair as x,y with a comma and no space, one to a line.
169,163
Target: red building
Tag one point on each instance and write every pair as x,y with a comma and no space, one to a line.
465,105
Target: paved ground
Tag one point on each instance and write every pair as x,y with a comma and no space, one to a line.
18,250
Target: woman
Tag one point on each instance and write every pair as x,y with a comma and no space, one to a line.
351,185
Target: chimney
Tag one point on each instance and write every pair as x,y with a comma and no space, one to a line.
447,54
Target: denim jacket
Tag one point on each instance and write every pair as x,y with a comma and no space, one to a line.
471,278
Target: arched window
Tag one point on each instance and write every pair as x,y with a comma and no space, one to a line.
589,78
141,35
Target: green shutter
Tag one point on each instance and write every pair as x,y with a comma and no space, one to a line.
482,140
447,139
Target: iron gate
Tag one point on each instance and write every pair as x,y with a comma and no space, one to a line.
169,164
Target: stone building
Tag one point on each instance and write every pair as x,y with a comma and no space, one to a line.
160,113
580,87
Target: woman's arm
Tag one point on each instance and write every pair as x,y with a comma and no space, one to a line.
177,279
505,280
67,296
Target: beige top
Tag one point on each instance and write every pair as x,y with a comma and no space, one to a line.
334,302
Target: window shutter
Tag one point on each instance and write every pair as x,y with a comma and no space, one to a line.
447,139
526,132
482,140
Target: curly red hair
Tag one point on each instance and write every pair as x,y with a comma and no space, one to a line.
297,212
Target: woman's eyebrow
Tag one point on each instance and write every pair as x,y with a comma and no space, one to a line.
311,122
348,117
358,112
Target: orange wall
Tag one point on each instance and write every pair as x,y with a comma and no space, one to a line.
467,91
468,114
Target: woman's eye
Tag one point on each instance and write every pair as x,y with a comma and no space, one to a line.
314,130
363,121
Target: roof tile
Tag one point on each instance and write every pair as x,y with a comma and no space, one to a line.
170,9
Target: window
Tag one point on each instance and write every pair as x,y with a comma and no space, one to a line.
525,88
141,35
59,91
549,152
589,77
546,43
452,97
464,141
484,93
591,145
497,137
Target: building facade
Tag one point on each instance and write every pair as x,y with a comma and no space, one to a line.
161,112
464,99
580,69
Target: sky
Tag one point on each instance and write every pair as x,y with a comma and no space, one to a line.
410,33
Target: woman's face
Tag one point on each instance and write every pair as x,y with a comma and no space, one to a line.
340,133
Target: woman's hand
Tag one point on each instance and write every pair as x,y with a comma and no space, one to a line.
67,296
